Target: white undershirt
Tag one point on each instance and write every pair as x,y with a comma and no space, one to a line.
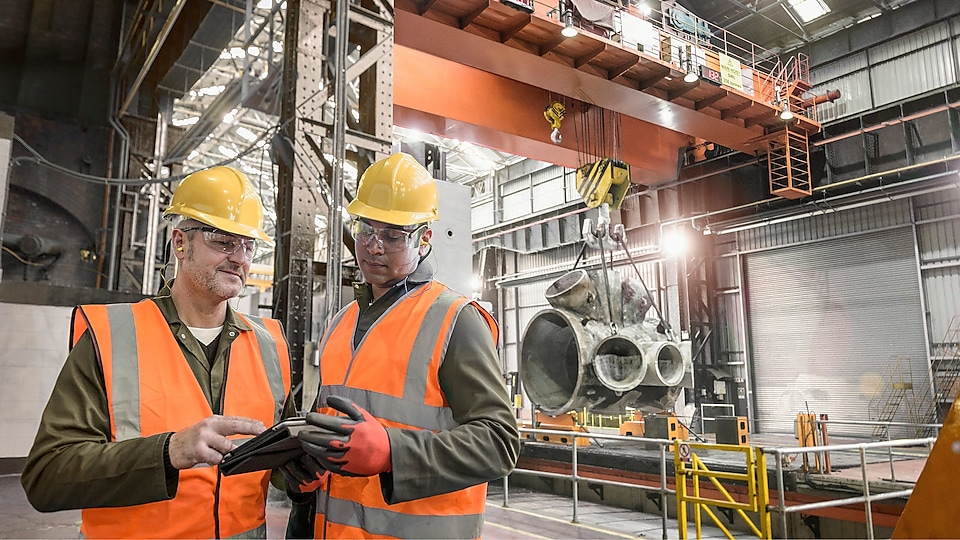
205,335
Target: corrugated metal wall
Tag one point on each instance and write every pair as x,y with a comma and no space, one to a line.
826,319
923,281
938,234
905,67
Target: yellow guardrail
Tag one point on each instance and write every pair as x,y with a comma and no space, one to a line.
690,469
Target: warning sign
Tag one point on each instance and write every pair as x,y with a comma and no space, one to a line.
684,451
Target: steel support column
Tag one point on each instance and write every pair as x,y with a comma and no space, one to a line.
297,202
314,66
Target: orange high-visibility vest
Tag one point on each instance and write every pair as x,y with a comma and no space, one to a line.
393,374
151,389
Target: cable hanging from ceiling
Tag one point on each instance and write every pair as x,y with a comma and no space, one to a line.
599,133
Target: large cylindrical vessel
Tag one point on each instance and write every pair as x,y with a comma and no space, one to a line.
599,350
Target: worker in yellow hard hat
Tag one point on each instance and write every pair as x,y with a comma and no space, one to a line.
412,416
153,394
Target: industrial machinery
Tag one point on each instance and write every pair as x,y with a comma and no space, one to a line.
599,347
602,345
603,181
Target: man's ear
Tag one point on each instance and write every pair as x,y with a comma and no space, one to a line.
425,237
177,240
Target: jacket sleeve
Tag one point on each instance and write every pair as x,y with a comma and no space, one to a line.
483,447
73,465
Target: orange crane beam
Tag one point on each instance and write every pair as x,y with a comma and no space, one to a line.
456,101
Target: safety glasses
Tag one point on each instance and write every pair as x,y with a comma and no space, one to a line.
225,242
391,239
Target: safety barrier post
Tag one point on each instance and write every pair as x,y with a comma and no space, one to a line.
663,489
755,479
573,463
680,477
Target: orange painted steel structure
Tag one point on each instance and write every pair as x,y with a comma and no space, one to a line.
480,71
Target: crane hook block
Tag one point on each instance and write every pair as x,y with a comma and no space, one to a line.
604,181
554,114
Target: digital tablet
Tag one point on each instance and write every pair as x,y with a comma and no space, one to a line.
268,450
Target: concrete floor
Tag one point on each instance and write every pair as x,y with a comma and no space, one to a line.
530,515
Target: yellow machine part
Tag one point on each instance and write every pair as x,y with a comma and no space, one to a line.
604,181
932,510
554,113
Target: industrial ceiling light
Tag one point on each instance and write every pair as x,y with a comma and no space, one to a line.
569,30
786,113
691,76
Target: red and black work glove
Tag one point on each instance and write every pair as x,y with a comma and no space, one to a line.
352,445
304,474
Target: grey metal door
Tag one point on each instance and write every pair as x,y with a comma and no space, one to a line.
825,319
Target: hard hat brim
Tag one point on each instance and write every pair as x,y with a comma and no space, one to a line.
223,224
393,217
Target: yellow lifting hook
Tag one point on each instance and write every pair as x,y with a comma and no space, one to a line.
554,114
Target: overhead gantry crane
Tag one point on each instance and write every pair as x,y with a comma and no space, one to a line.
482,71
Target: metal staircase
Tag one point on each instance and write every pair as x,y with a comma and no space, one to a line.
944,372
894,389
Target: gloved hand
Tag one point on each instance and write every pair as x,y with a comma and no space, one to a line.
352,445
304,474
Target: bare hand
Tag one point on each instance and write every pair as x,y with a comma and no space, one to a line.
206,441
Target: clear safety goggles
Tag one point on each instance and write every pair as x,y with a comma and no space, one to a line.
225,242
390,239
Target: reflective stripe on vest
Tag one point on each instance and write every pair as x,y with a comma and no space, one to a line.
410,409
354,507
271,363
353,515
259,532
142,362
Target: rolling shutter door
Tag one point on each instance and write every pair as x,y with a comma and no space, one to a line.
825,320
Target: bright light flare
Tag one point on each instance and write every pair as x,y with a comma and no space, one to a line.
674,243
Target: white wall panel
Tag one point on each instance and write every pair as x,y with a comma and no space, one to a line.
940,241
942,296
482,216
913,74
938,237
901,68
32,351
839,68
826,226
548,194
855,96
909,43
516,205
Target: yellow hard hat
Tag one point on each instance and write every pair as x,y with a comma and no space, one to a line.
396,190
221,197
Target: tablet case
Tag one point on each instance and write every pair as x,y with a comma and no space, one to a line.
268,450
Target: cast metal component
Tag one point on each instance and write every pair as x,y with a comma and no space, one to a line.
601,351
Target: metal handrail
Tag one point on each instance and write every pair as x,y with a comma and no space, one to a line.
778,452
664,491
867,498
